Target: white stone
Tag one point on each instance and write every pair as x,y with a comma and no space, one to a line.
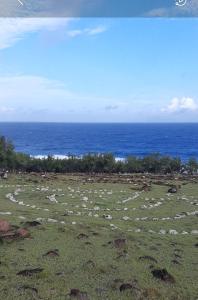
172,231
125,218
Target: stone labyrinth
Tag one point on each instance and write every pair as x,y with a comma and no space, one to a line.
112,209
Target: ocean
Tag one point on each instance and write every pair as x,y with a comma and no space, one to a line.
63,139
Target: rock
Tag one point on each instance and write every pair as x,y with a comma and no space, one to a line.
125,218
125,286
4,226
172,190
107,217
30,272
32,223
52,253
75,293
120,243
194,232
163,275
27,287
175,262
147,257
172,231
4,175
22,232
82,236
146,187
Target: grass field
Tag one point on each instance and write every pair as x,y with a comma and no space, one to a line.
99,238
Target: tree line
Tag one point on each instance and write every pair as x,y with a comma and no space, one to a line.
92,163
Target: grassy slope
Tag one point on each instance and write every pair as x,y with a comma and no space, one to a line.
93,264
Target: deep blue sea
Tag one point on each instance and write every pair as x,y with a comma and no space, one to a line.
120,139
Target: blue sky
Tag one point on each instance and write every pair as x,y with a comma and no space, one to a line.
99,70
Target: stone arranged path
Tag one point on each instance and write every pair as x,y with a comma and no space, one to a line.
93,203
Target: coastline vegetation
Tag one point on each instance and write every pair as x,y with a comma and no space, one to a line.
93,163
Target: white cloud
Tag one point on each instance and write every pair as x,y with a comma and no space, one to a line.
15,29
87,31
96,30
5,109
183,104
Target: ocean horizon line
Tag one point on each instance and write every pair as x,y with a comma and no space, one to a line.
105,123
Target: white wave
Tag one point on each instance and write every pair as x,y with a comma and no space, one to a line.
55,156
120,159
61,156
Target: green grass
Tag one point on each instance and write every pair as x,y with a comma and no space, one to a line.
93,264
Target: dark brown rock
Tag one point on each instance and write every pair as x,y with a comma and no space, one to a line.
149,258
75,293
82,236
163,275
30,272
32,223
125,286
52,253
120,243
